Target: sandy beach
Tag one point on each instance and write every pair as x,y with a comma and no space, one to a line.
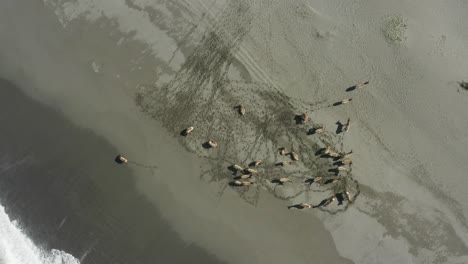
128,76
60,184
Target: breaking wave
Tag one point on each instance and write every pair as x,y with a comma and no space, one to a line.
17,248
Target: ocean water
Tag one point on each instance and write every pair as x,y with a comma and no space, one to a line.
17,248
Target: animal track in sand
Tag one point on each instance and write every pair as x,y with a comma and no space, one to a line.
202,94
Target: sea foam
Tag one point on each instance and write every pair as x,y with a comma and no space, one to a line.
17,248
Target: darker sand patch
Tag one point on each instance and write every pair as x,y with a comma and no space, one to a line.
61,183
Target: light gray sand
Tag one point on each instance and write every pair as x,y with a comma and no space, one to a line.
408,123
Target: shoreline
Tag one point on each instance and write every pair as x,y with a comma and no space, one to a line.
57,226
183,199
407,124
61,183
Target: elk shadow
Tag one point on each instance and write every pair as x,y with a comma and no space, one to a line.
339,127
312,131
252,164
320,151
278,182
340,197
338,163
233,184
296,206
311,180
322,203
118,160
238,109
206,145
299,120
183,133
232,169
283,163
328,181
352,88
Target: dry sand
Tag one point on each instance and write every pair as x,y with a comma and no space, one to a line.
186,63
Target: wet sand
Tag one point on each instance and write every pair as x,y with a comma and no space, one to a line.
62,185
137,73
206,213
60,182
